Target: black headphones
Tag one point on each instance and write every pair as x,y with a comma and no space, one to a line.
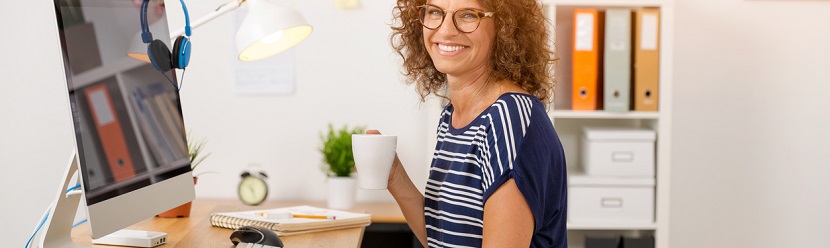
160,56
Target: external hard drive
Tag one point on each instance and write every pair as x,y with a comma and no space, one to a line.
134,238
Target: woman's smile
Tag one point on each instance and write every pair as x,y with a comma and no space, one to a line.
448,49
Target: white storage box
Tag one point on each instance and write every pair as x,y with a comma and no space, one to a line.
618,152
599,201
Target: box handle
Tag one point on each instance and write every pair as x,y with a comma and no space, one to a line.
611,202
626,156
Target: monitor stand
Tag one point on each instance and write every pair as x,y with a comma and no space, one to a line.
57,231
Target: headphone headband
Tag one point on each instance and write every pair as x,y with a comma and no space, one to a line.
146,35
186,20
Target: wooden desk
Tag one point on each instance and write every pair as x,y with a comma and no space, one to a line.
196,231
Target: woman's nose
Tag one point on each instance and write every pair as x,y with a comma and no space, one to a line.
448,26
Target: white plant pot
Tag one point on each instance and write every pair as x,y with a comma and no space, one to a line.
342,192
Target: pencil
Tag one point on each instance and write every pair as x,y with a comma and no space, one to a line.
309,216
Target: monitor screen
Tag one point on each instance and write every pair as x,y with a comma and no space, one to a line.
130,134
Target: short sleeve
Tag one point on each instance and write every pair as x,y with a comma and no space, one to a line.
533,157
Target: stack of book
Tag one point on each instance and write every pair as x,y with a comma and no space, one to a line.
160,123
292,220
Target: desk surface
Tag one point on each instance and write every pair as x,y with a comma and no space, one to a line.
196,230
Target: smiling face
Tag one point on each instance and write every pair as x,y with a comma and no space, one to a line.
453,52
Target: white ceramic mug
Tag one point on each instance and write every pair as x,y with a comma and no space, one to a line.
373,157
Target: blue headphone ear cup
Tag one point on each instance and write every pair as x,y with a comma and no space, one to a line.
184,53
176,58
181,52
159,56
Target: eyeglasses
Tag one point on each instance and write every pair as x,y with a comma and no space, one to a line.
466,20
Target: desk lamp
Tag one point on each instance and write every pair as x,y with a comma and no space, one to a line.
267,30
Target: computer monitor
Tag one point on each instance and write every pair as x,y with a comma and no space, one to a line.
131,144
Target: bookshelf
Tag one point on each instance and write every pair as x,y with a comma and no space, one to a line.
570,114
569,123
123,79
599,226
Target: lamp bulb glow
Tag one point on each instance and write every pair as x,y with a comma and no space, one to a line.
272,38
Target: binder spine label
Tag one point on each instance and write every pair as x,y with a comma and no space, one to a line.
100,104
584,32
648,36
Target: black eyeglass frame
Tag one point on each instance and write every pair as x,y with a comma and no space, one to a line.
479,13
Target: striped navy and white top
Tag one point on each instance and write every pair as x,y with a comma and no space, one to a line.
513,138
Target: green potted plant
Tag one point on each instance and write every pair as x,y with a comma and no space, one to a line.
338,164
196,154
195,151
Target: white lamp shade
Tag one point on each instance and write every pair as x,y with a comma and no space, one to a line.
269,29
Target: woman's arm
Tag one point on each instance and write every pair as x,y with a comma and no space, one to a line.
508,221
409,199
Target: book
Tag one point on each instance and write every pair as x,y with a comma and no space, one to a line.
172,125
96,169
160,123
150,122
587,65
617,53
110,131
276,220
647,60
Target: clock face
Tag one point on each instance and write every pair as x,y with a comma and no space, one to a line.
252,190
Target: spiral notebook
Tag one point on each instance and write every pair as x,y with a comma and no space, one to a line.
292,220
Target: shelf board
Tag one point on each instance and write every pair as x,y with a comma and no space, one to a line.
102,72
605,3
612,226
570,114
593,181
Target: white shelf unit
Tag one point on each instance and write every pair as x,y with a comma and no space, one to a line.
611,226
128,76
569,114
569,123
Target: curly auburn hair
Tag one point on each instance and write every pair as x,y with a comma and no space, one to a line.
521,52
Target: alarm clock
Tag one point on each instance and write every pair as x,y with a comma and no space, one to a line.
253,189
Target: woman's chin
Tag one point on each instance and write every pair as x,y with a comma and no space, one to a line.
446,68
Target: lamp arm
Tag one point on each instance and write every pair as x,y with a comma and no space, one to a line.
221,10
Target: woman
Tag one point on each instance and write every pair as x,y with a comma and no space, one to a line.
498,174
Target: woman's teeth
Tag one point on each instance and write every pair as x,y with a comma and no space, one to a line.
446,48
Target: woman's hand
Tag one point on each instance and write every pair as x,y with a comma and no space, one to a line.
410,200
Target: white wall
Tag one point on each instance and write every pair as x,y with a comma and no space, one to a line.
346,73
751,144
35,125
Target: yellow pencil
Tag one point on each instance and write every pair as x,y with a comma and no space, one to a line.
309,216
